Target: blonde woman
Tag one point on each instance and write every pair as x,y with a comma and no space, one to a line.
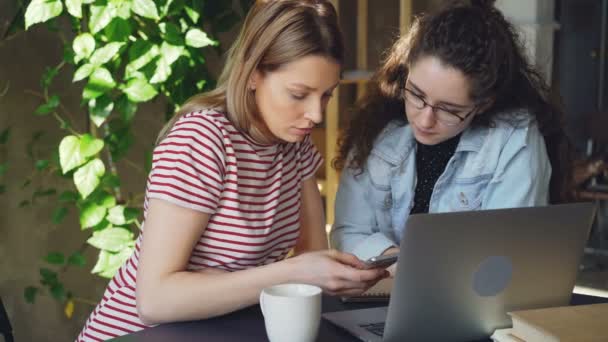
232,186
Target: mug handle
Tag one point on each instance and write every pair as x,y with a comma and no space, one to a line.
262,302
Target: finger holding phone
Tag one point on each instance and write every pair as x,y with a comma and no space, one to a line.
387,260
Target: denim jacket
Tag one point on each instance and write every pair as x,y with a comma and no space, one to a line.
502,166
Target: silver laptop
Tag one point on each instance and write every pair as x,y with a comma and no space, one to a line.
460,273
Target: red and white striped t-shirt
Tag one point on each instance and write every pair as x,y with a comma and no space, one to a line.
251,191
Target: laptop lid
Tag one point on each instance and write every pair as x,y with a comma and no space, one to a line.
460,273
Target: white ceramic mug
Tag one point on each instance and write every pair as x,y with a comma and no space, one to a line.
292,312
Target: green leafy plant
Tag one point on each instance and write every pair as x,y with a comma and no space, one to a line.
124,52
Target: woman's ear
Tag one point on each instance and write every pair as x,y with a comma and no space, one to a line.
254,80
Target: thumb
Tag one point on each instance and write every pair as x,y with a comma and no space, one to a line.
347,259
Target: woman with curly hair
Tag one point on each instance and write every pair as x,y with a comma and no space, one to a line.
457,119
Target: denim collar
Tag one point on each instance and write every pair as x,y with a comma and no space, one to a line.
396,141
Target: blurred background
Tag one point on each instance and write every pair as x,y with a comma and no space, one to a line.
85,89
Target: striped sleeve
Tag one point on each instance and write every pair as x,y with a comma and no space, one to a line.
309,158
188,165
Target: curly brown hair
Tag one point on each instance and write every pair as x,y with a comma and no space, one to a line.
476,39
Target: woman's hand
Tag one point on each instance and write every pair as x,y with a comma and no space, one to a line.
337,273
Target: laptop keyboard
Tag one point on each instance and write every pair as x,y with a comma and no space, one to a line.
374,328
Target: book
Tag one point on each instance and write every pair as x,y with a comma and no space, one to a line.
380,292
505,335
578,323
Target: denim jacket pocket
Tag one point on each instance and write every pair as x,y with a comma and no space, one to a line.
380,195
381,203
466,193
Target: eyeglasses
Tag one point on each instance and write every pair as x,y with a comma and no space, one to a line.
444,116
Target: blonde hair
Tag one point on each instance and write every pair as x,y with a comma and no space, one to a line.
275,32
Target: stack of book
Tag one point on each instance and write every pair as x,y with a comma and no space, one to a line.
580,323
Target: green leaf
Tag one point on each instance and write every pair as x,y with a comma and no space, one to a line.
112,181
3,168
55,258
70,156
83,46
118,30
99,109
40,11
106,53
91,215
100,82
120,139
101,15
141,53
58,291
201,84
2,188
112,239
116,215
49,106
121,8
43,193
108,263
138,90
126,108
171,33
131,214
90,146
145,8
29,293
48,77
169,54
104,224
104,199
74,7
148,155
77,259
68,197
68,54
192,14
83,72
48,276
107,200
4,135
59,215
165,9
42,164
87,177
198,39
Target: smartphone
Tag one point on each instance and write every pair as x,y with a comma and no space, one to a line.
381,261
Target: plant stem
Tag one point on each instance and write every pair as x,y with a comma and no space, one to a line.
84,300
135,166
81,250
62,121
113,168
